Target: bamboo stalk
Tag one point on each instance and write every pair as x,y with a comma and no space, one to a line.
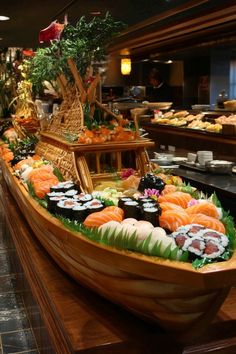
62,87
78,80
105,109
92,88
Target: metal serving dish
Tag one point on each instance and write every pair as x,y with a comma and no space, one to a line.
219,166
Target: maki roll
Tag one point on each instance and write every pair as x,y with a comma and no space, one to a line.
123,200
79,213
94,206
143,199
195,246
64,208
180,238
151,214
201,242
52,202
215,236
84,198
132,209
57,188
191,229
71,193
213,250
63,187
54,194
149,205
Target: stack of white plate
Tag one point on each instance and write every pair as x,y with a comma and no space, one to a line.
204,156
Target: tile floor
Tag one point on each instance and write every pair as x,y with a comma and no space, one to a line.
16,335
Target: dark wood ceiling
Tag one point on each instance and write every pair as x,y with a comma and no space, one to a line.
28,17
194,25
154,26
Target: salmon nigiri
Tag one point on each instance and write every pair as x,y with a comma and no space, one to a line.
205,208
101,217
179,198
169,206
172,219
169,188
207,221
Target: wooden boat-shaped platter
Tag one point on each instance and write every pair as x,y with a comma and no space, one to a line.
173,294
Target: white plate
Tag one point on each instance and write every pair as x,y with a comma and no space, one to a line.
164,166
179,159
170,166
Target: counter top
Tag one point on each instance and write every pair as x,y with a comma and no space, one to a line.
224,183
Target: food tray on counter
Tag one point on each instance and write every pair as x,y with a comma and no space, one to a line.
196,167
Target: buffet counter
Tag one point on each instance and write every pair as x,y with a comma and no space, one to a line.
223,146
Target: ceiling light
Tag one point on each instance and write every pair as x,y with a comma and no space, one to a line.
4,18
125,66
169,61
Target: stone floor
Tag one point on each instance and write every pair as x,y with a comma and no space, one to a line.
16,335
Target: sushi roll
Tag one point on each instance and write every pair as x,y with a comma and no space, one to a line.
200,242
52,202
79,213
71,193
180,238
57,188
84,198
132,209
94,206
122,201
215,236
149,204
64,208
195,246
150,214
191,229
54,194
213,250
68,186
143,199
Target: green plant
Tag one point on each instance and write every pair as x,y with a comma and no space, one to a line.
85,43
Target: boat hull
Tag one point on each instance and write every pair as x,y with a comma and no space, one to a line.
179,298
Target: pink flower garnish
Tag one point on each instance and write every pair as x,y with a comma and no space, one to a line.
152,193
126,172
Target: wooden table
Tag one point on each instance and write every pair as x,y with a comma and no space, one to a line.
79,321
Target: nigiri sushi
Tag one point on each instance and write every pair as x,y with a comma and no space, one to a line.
170,206
205,208
172,219
207,221
101,217
179,198
169,188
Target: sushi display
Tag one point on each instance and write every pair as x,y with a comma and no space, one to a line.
165,216
159,247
